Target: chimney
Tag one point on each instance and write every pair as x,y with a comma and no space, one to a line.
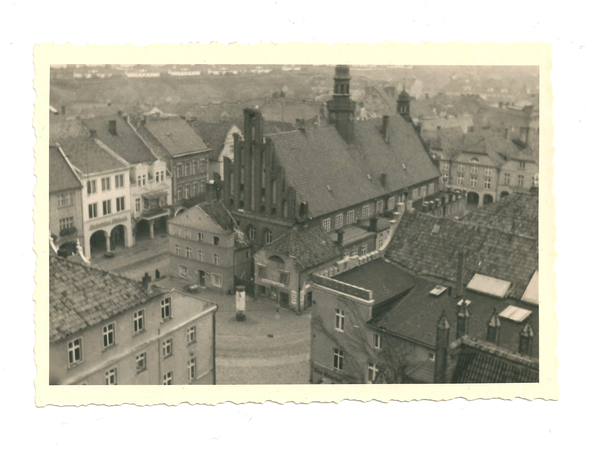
524,135
526,340
373,224
442,341
112,127
385,128
383,179
462,319
146,282
63,110
340,236
459,274
493,329
300,124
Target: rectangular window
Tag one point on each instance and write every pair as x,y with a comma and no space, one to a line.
75,351
521,165
327,224
188,252
138,321
66,223
165,309
191,369
262,272
445,166
194,167
473,169
138,204
111,376
167,348
119,181
146,204
363,250
105,184
506,179
377,341
183,271
366,211
186,169
350,217
338,359
108,335
191,334
65,199
488,172
143,180
157,176
460,179
487,183
139,180
423,192
187,191
216,279
93,210
179,170
461,168
380,206
120,204
415,194
200,237
179,193
391,205
178,250
431,189
520,180
445,177
284,278
473,181
355,251
201,165
201,255
162,175
216,241
140,362
194,189
372,374
216,259
106,207
339,221
168,378
91,187
339,320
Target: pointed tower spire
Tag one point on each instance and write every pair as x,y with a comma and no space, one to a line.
442,342
526,340
341,108
403,103
493,330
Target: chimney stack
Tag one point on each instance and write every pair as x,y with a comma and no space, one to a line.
340,236
526,340
146,282
462,319
460,274
300,125
373,224
112,127
383,179
493,329
385,128
524,135
442,341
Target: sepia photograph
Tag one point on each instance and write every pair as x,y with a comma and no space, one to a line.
267,224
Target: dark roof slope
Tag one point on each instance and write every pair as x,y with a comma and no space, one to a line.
89,157
490,252
213,135
61,128
516,214
125,143
82,296
310,246
62,176
482,362
175,135
317,158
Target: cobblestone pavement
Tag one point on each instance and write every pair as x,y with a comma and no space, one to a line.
272,346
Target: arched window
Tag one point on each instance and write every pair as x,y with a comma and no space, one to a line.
251,232
267,236
278,261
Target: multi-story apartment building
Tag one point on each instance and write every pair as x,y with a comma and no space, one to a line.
106,329
106,194
208,248
66,210
149,177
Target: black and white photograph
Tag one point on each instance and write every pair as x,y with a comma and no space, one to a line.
293,224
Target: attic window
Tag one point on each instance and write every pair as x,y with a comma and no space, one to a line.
474,159
459,303
438,290
515,314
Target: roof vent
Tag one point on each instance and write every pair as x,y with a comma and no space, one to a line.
438,290
515,314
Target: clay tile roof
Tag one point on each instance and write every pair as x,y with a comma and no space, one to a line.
482,362
316,158
63,177
82,296
310,246
489,251
176,136
89,157
213,134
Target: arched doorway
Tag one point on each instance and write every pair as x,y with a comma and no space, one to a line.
67,249
98,242
472,200
117,237
504,194
487,199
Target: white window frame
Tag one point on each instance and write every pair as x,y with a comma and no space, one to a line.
168,378
120,204
119,181
415,194
460,168
138,204
376,341
339,221
473,181
520,180
487,183
106,207
423,192
91,187
109,335
446,166
327,224
488,172
167,348
371,372
177,250
138,321
183,271
105,184
474,169
338,359
188,252
72,347
366,211
506,179
379,206
201,255
216,259
165,309
191,334
460,178
339,320
216,279
350,217
110,376
391,204
140,362
191,369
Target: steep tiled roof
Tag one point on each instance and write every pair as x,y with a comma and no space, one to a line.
82,296
89,157
490,252
125,143
514,214
60,129
482,362
213,135
176,136
310,246
62,176
317,158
